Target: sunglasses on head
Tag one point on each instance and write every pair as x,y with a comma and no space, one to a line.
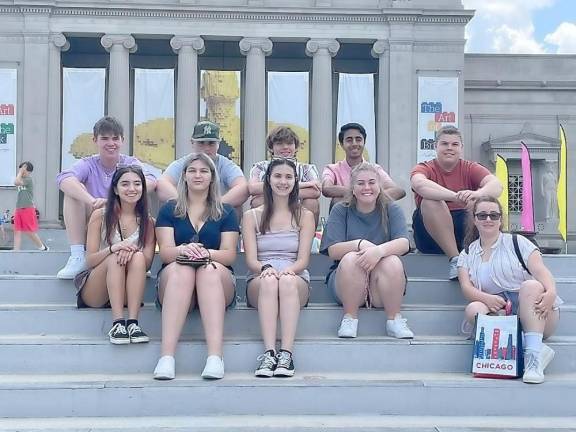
284,158
494,216
131,166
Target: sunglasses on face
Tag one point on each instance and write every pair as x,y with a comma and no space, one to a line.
492,215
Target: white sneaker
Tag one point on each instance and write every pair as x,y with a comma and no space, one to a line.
453,269
398,328
165,369
74,266
214,368
348,327
533,371
545,357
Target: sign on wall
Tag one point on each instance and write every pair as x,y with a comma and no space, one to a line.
83,93
437,107
153,134
356,105
288,94
8,105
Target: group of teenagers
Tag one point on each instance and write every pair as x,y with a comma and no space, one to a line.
113,240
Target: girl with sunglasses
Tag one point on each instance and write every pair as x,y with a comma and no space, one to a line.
120,248
277,238
491,275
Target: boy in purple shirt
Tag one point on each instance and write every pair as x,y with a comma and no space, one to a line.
85,186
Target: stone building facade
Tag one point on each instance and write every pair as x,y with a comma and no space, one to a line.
502,99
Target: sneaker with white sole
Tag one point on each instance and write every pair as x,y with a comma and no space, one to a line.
546,355
136,334
398,328
75,265
533,371
165,369
453,269
214,368
118,334
348,327
267,364
285,366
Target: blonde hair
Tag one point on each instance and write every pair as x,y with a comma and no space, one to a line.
382,200
213,200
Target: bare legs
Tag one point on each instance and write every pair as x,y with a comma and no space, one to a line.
438,222
32,235
278,298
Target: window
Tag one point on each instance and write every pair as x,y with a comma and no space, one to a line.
515,193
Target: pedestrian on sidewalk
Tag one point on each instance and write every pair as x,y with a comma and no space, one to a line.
25,219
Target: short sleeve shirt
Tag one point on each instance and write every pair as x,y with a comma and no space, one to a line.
467,175
90,172
25,196
227,171
340,173
210,232
346,223
306,172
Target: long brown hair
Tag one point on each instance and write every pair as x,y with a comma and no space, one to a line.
471,230
382,200
114,206
293,201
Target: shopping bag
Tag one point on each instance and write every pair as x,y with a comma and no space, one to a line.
498,351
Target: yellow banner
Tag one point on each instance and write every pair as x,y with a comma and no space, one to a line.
561,191
502,175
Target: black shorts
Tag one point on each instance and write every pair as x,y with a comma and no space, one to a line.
426,244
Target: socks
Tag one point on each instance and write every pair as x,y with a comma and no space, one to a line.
533,341
119,321
131,321
77,251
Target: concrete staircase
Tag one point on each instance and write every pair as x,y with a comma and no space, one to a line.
59,372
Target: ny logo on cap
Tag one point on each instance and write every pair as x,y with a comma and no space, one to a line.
207,129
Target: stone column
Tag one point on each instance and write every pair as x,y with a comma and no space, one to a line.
402,122
187,102
120,46
321,122
58,44
255,50
381,51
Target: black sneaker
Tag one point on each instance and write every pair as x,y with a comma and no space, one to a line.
285,366
267,364
136,334
118,334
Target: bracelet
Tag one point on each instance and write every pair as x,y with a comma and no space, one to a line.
110,249
265,267
359,242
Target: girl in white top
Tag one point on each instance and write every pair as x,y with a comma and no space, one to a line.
120,248
490,274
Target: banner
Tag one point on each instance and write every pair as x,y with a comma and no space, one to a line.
8,125
527,216
154,118
288,96
562,190
502,175
83,95
220,103
437,107
356,105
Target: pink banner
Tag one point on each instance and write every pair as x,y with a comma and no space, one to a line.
527,219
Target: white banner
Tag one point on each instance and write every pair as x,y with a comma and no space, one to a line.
356,105
288,94
83,93
437,107
8,115
154,117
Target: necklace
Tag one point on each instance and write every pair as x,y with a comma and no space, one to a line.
108,173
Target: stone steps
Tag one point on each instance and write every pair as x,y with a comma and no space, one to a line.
241,394
70,353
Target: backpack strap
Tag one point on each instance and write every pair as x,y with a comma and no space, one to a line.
518,254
